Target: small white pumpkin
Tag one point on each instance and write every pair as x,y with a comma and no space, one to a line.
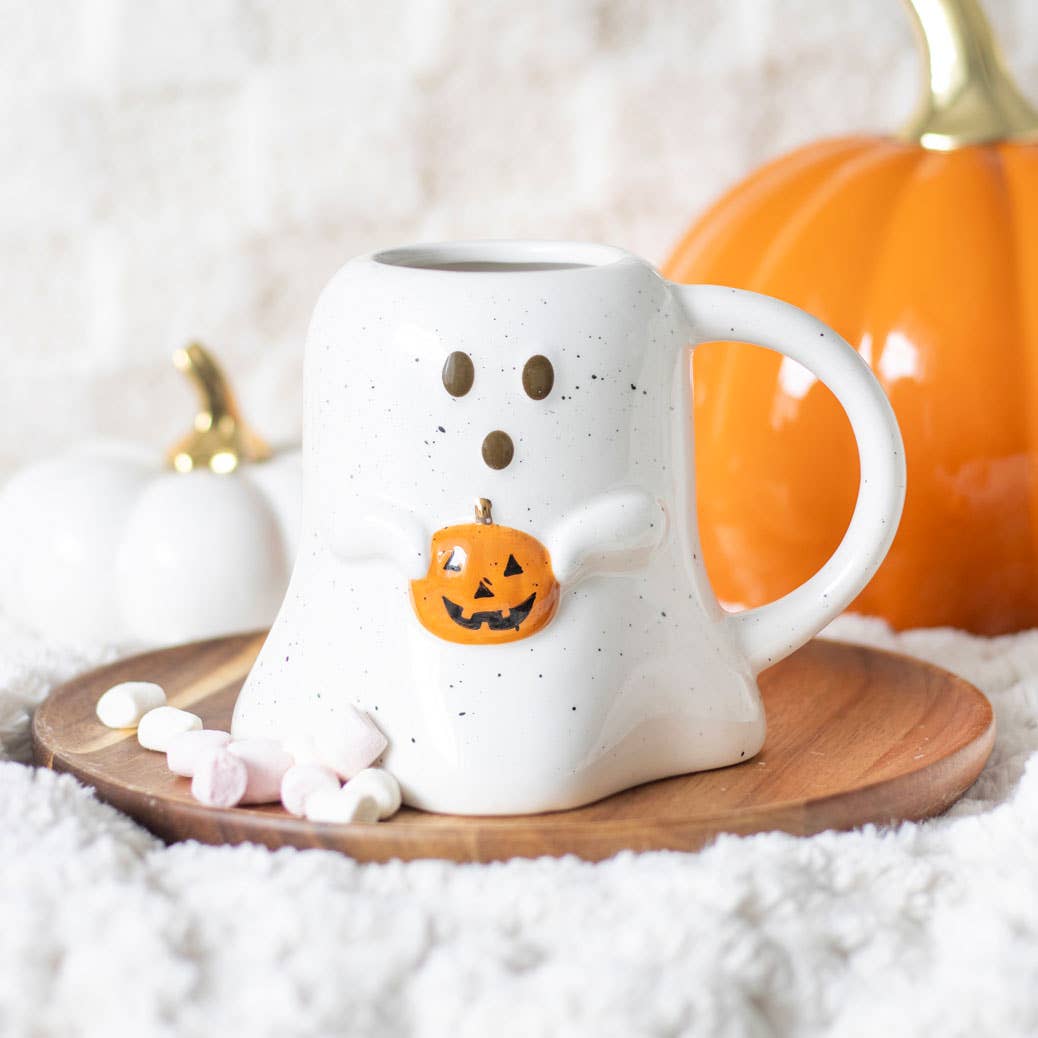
111,543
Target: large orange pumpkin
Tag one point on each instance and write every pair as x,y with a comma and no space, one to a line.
923,252
486,584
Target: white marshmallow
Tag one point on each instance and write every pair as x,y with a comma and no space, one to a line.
158,727
381,786
266,761
187,749
350,742
301,780
220,779
340,805
123,705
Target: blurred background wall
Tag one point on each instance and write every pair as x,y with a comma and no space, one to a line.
178,169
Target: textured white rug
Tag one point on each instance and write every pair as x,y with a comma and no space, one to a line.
929,929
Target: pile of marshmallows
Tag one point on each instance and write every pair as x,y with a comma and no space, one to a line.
306,775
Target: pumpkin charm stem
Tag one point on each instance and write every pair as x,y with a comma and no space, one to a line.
969,96
220,439
483,512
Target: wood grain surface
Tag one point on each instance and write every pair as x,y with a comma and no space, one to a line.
855,735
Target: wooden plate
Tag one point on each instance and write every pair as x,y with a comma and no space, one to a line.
854,735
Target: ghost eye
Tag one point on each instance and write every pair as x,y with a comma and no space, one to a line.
512,568
455,560
458,373
538,377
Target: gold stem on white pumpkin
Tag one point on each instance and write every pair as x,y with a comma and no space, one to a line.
483,515
969,95
220,440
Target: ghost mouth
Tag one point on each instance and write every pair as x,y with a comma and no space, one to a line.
495,619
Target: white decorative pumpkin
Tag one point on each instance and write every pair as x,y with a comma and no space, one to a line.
111,543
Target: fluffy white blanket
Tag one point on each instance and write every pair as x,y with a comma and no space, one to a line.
927,929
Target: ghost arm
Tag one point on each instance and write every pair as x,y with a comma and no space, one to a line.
375,528
614,532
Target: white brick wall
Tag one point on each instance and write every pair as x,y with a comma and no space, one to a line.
173,169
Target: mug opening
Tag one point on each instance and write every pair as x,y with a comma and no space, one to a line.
500,257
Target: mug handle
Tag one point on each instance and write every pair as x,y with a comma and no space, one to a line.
719,314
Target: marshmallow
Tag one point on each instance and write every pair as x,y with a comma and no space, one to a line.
123,705
350,742
220,779
303,749
187,749
266,761
301,780
381,786
340,805
157,728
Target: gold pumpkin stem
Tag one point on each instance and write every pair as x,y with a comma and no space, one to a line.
220,439
969,95
483,515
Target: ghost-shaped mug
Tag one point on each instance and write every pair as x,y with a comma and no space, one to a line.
500,563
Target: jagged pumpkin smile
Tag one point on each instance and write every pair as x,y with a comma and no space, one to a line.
495,619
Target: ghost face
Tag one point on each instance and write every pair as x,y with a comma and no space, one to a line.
486,585
459,374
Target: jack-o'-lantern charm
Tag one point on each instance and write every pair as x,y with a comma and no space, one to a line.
487,584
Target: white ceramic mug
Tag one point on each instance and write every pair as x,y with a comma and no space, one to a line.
563,643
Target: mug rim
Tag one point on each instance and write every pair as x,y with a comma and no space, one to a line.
509,255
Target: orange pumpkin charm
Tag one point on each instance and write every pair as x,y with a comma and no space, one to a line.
486,584
923,252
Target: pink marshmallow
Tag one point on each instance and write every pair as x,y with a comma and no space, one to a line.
187,749
350,742
220,779
303,779
303,749
266,761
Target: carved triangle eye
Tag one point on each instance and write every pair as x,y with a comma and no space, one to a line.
512,568
456,559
